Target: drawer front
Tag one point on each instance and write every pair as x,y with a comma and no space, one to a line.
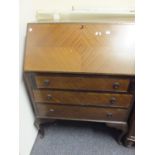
83,98
82,83
85,113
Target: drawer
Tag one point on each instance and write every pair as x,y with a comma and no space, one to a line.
82,83
85,113
82,98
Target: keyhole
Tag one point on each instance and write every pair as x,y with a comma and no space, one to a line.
82,26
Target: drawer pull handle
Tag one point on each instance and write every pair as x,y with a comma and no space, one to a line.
116,85
46,82
49,96
51,110
113,100
109,115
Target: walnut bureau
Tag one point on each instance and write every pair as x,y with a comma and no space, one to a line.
80,71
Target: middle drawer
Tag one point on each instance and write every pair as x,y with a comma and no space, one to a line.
83,98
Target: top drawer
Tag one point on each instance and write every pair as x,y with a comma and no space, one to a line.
82,83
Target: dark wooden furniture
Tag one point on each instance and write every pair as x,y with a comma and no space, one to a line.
130,138
83,72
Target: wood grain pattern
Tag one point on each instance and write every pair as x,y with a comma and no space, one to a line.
95,48
82,98
82,83
78,112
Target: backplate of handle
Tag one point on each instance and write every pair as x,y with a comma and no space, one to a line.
51,110
49,96
46,82
116,85
113,100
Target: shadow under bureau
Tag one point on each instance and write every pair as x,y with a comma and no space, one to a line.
82,72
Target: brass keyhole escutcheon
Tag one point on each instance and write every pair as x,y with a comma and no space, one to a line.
82,27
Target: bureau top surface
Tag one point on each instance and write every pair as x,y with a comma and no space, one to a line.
80,48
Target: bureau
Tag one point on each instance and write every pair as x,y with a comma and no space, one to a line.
80,71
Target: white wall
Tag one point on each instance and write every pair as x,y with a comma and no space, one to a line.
66,5
28,10
27,130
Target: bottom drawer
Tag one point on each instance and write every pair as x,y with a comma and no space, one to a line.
85,113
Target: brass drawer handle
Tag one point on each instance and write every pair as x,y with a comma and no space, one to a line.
113,100
46,82
49,96
116,85
109,115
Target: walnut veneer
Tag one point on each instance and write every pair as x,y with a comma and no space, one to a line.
85,72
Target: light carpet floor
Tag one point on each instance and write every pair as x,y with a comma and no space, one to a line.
79,138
